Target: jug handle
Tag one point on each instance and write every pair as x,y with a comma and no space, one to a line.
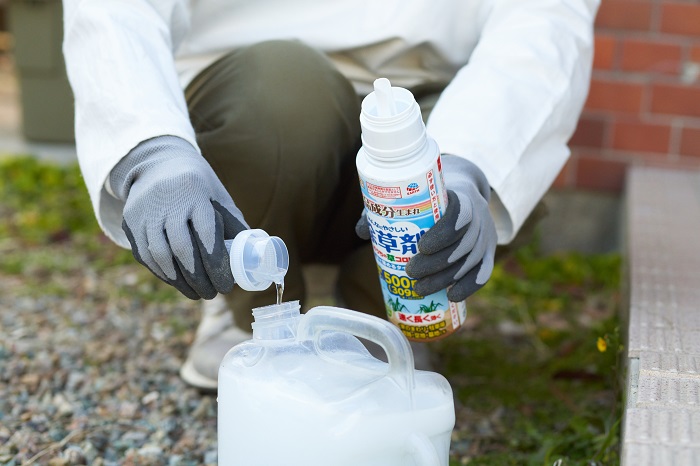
379,331
422,450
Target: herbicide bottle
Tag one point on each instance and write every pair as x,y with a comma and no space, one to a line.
404,195
305,392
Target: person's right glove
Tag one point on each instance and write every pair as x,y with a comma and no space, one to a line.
176,215
458,251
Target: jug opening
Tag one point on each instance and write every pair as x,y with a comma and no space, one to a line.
276,321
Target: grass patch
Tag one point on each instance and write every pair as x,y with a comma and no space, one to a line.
49,234
537,372
43,202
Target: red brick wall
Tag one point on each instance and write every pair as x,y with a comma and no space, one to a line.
644,102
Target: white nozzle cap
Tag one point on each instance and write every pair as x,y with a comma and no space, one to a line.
257,259
391,121
386,106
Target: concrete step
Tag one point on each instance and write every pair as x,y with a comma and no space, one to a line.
662,414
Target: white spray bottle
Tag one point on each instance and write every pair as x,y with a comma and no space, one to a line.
404,195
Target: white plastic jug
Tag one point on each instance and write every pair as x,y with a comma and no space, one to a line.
305,392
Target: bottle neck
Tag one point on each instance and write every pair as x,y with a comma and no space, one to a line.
392,137
402,156
276,322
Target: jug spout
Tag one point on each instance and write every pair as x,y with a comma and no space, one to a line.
276,322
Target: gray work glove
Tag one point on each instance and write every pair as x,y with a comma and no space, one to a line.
176,215
458,251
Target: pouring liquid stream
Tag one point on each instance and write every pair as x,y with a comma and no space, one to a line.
280,291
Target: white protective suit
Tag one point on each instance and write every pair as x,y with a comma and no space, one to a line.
518,73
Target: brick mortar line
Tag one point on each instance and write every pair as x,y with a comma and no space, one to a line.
674,143
644,159
648,159
656,13
651,118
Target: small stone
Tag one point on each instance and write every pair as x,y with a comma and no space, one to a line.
74,381
150,455
128,410
130,279
511,329
150,398
4,434
134,438
81,317
57,433
150,450
185,444
31,381
203,409
58,461
63,406
74,455
90,282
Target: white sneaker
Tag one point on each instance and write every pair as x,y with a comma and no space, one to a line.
216,334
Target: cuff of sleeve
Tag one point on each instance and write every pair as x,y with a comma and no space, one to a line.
502,219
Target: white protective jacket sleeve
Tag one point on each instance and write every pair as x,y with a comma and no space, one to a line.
120,62
510,110
517,102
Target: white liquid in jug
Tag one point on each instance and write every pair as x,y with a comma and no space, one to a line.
310,402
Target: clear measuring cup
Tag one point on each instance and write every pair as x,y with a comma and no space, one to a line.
257,259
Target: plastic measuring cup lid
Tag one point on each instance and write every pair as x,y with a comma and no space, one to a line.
257,259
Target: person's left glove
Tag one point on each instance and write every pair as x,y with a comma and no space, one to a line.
176,215
458,251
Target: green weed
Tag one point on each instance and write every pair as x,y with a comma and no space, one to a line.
544,389
43,202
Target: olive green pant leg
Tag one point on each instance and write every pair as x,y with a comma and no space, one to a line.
280,127
358,283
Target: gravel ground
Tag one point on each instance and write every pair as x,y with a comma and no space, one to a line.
91,376
89,367
89,362
90,352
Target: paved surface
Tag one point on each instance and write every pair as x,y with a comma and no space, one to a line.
11,140
662,418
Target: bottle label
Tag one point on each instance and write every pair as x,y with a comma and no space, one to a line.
399,213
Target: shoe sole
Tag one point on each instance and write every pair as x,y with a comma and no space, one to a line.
194,379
